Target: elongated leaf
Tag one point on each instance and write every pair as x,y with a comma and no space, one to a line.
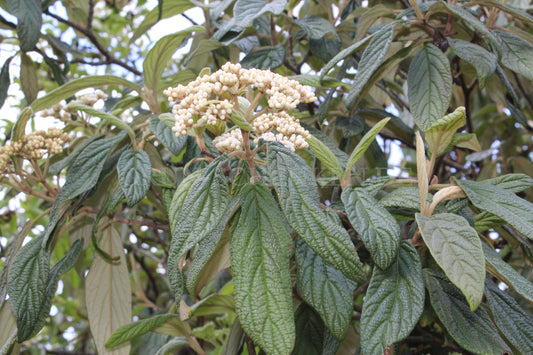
515,210
29,21
325,288
109,118
317,82
199,215
440,135
8,324
133,330
483,60
503,271
260,269
56,167
157,58
344,53
511,182
376,226
298,196
457,249
403,197
245,11
19,129
515,53
28,78
516,12
430,86
365,142
28,280
373,185
514,323
315,26
165,135
172,344
179,197
312,337
265,58
474,331
108,294
134,174
5,81
393,303
326,156
214,304
370,60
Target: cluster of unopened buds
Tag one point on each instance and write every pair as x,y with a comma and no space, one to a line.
211,99
34,146
63,113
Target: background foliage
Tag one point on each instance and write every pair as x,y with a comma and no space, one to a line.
106,245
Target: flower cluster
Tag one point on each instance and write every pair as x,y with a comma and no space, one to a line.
34,146
212,98
62,113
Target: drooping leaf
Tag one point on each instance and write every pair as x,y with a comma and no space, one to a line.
108,294
325,288
72,87
513,321
365,142
503,203
474,331
29,21
265,58
245,11
393,303
315,26
200,214
430,86
298,196
515,53
343,54
165,135
312,337
134,174
56,167
370,60
326,156
441,133
457,249
505,272
260,269
375,225
214,304
28,78
5,81
136,329
481,59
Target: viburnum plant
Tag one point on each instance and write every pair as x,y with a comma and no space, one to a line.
222,206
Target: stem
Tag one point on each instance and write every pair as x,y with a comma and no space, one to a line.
249,156
419,14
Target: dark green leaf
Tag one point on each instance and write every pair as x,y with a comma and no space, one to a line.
5,81
136,329
457,249
200,213
370,61
134,175
515,53
483,60
430,86
265,58
403,197
324,48
474,331
315,27
29,21
505,272
393,303
503,203
28,78
373,185
325,288
375,225
312,337
56,167
343,54
315,81
245,11
260,267
298,195
179,196
513,321
214,304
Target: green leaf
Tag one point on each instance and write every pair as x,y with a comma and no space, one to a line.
403,197
166,9
260,257
326,156
312,337
315,27
373,185
265,58
375,225
318,82
179,196
56,167
19,129
5,81
430,86
481,59
365,142
474,331
393,303
237,117
441,133
513,321
515,53
27,287
29,21
344,53
325,288
457,249
503,203
515,12
157,58
370,61
484,221
109,118
505,272
245,11
201,212
134,330
72,87
298,195
134,175
511,182
28,78
213,304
